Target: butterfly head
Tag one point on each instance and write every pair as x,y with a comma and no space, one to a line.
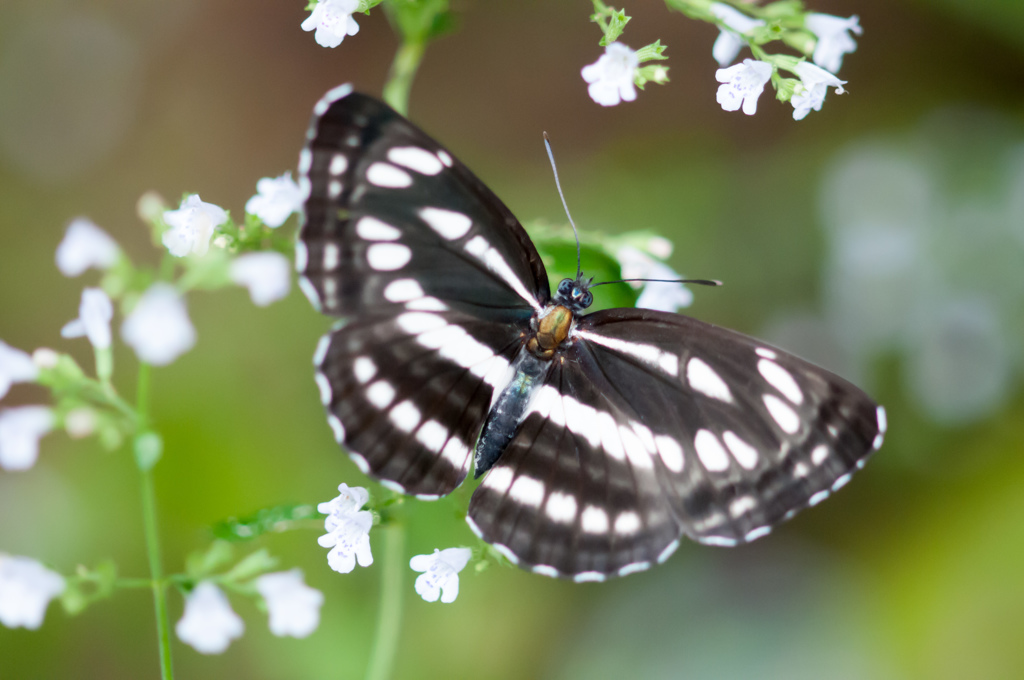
575,294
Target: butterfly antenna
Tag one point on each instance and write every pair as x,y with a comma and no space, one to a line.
697,282
558,185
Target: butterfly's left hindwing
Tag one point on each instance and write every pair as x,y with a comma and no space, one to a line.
656,425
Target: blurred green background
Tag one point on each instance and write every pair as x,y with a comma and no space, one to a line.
882,236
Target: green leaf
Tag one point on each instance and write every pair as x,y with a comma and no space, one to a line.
612,22
267,520
255,564
200,564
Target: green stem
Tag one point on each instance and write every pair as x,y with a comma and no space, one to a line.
403,70
389,621
152,537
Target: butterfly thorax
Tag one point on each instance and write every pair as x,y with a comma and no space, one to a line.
552,329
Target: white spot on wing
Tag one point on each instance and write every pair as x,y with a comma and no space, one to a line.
757,533
883,422
325,388
380,394
336,427
322,345
766,353
427,304
394,486
419,322
479,248
785,417
545,570
818,497
710,451
820,454
432,435
705,380
373,229
448,223
405,416
445,158
387,176
670,451
403,290
841,481
561,507
528,491
611,442
744,453
781,379
339,164
666,362
364,369
415,158
499,479
627,523
332,256
594,520
722,541
589,577
310,291
667,552
742,505
507,552
360,462
456,453
301,257
635,450
634,568
387,257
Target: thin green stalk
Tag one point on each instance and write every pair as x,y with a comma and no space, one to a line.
389,621
152,536
403,70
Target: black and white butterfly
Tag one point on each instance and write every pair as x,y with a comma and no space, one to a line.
604,437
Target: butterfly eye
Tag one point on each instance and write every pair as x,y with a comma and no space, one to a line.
565,287
587,300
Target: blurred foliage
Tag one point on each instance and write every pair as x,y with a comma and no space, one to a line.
913,571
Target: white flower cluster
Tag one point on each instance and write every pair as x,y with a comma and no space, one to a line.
332,20
209,624
26,588
348,528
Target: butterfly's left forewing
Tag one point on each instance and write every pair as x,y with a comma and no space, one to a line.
657,425
440,281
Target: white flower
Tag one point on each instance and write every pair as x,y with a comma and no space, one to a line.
348,536
158,329
276,199
611,76
85,245
834,39
348,501
743,84
294,607
661,295
80,422
441,573
208,624
94,315
15,366
26,588
192,225
20,431
814,84
266,274
729,42
332,20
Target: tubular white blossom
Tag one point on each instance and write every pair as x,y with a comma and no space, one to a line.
275,200
192,225
94,315
814,84
208,624
158,329
742,85
266,274
349,501
85,245
348,536
441,573
332,20
294,607
26,588
834,39
611,76
729,43
21,429
661,295
15,366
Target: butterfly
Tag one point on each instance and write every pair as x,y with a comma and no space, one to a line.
602,438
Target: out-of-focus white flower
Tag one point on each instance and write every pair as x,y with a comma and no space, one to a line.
666,296
192,225
349,501
266,274
814,84
348,537
26,588
294,607
332,20
275,200
94,315
208,624
85,245
21,429
15,366
834,39
742,85
80,422
729,42
611,76
158,329
44,357
441,573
